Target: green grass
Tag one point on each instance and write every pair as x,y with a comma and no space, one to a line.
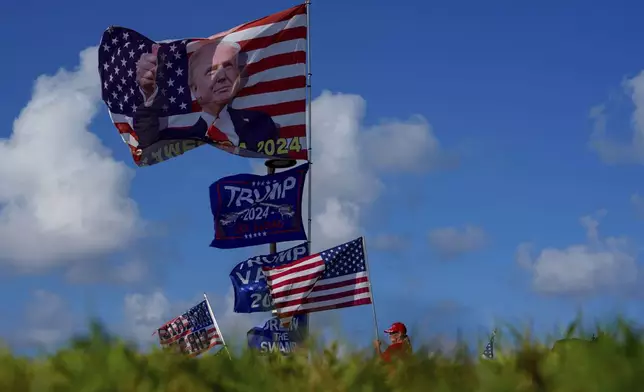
99,363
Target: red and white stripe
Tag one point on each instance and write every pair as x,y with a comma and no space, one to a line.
213,335
175,338
297,288
215,340
275,47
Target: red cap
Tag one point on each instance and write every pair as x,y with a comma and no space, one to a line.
397,328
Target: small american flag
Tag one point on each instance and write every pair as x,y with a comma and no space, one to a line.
488,352
193,333
274,68
332,279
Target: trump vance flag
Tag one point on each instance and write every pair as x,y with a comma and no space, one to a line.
332,279
243,90
193,333
249,284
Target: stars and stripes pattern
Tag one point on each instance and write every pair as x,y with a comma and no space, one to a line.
189,335
488,352
274,48
118,54
332,279
121,48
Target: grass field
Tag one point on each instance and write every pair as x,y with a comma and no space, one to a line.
100,363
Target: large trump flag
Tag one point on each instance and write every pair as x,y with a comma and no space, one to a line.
242,90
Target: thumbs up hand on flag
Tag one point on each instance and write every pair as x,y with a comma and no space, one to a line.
146,71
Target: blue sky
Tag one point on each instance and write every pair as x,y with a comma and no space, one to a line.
505,88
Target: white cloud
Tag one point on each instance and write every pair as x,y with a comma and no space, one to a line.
405,145
144,313
638,204
389,242
600,263
130,271
450,242
48,321
342,184
62,195
345,170
610,150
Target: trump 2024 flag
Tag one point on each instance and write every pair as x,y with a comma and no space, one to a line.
249,209
242,90
332,279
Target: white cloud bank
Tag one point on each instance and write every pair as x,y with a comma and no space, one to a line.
609,149
349,157
600,263
63,198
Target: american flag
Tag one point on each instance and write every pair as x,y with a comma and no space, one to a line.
332,279
274,49
193,333
488,352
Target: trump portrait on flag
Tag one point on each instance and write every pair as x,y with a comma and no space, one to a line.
243,90
215,77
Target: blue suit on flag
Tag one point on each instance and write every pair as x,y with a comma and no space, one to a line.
251,126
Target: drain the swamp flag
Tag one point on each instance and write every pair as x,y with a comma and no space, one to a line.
272,337
250,209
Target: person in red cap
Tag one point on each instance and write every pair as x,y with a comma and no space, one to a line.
400,345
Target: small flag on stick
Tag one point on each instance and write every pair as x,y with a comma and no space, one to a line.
488,352
194,332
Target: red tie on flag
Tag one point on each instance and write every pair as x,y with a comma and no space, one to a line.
216,135
333,279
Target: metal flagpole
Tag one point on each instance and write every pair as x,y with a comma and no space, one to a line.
270,169
214,320
309,134
272,164
373,303
309,137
